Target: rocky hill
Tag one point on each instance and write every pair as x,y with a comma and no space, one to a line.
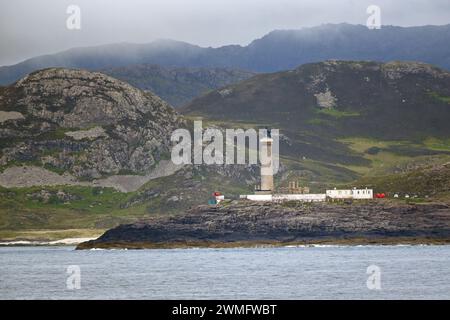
85,125
249,224
396,100
278,50
340,115
177,85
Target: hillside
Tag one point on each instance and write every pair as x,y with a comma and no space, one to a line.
278,50
82,150
396,100
426,181
350,118
177,86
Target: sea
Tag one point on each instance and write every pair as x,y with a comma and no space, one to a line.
301,272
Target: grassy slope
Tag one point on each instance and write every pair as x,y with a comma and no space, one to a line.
94,209
388,156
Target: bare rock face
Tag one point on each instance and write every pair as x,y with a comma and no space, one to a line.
11,115
79,99
245,222
83,123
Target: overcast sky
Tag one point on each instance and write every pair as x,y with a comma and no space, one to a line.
34,27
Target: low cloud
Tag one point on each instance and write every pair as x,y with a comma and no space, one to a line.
30,28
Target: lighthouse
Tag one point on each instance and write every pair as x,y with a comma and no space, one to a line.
265,145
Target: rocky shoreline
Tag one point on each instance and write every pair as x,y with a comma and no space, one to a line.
244,224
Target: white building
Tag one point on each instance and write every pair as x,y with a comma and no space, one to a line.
350,193
334,194
339,194
307,197
310,197
362,193
257,197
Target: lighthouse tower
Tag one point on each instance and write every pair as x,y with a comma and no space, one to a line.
266,160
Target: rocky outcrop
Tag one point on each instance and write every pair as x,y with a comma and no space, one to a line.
93,133
246,223
85,124
11,115
29,176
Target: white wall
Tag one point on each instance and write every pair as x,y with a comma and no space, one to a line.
311,197
350,194
340,194
308,197
362,193
259,197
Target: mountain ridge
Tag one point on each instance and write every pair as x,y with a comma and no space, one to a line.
266,54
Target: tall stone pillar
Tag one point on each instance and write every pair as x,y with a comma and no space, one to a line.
266,164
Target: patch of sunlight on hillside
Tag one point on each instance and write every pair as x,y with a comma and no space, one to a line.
383,161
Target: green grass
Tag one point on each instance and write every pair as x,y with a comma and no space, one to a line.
380,162
440,98
51,167
337,114
91,208
57,134
319,122
391,156
437,144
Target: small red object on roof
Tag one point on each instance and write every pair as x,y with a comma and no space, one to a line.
216,194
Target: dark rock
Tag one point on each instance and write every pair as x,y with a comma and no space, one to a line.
245,222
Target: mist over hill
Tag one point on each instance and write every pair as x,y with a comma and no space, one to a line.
278,50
